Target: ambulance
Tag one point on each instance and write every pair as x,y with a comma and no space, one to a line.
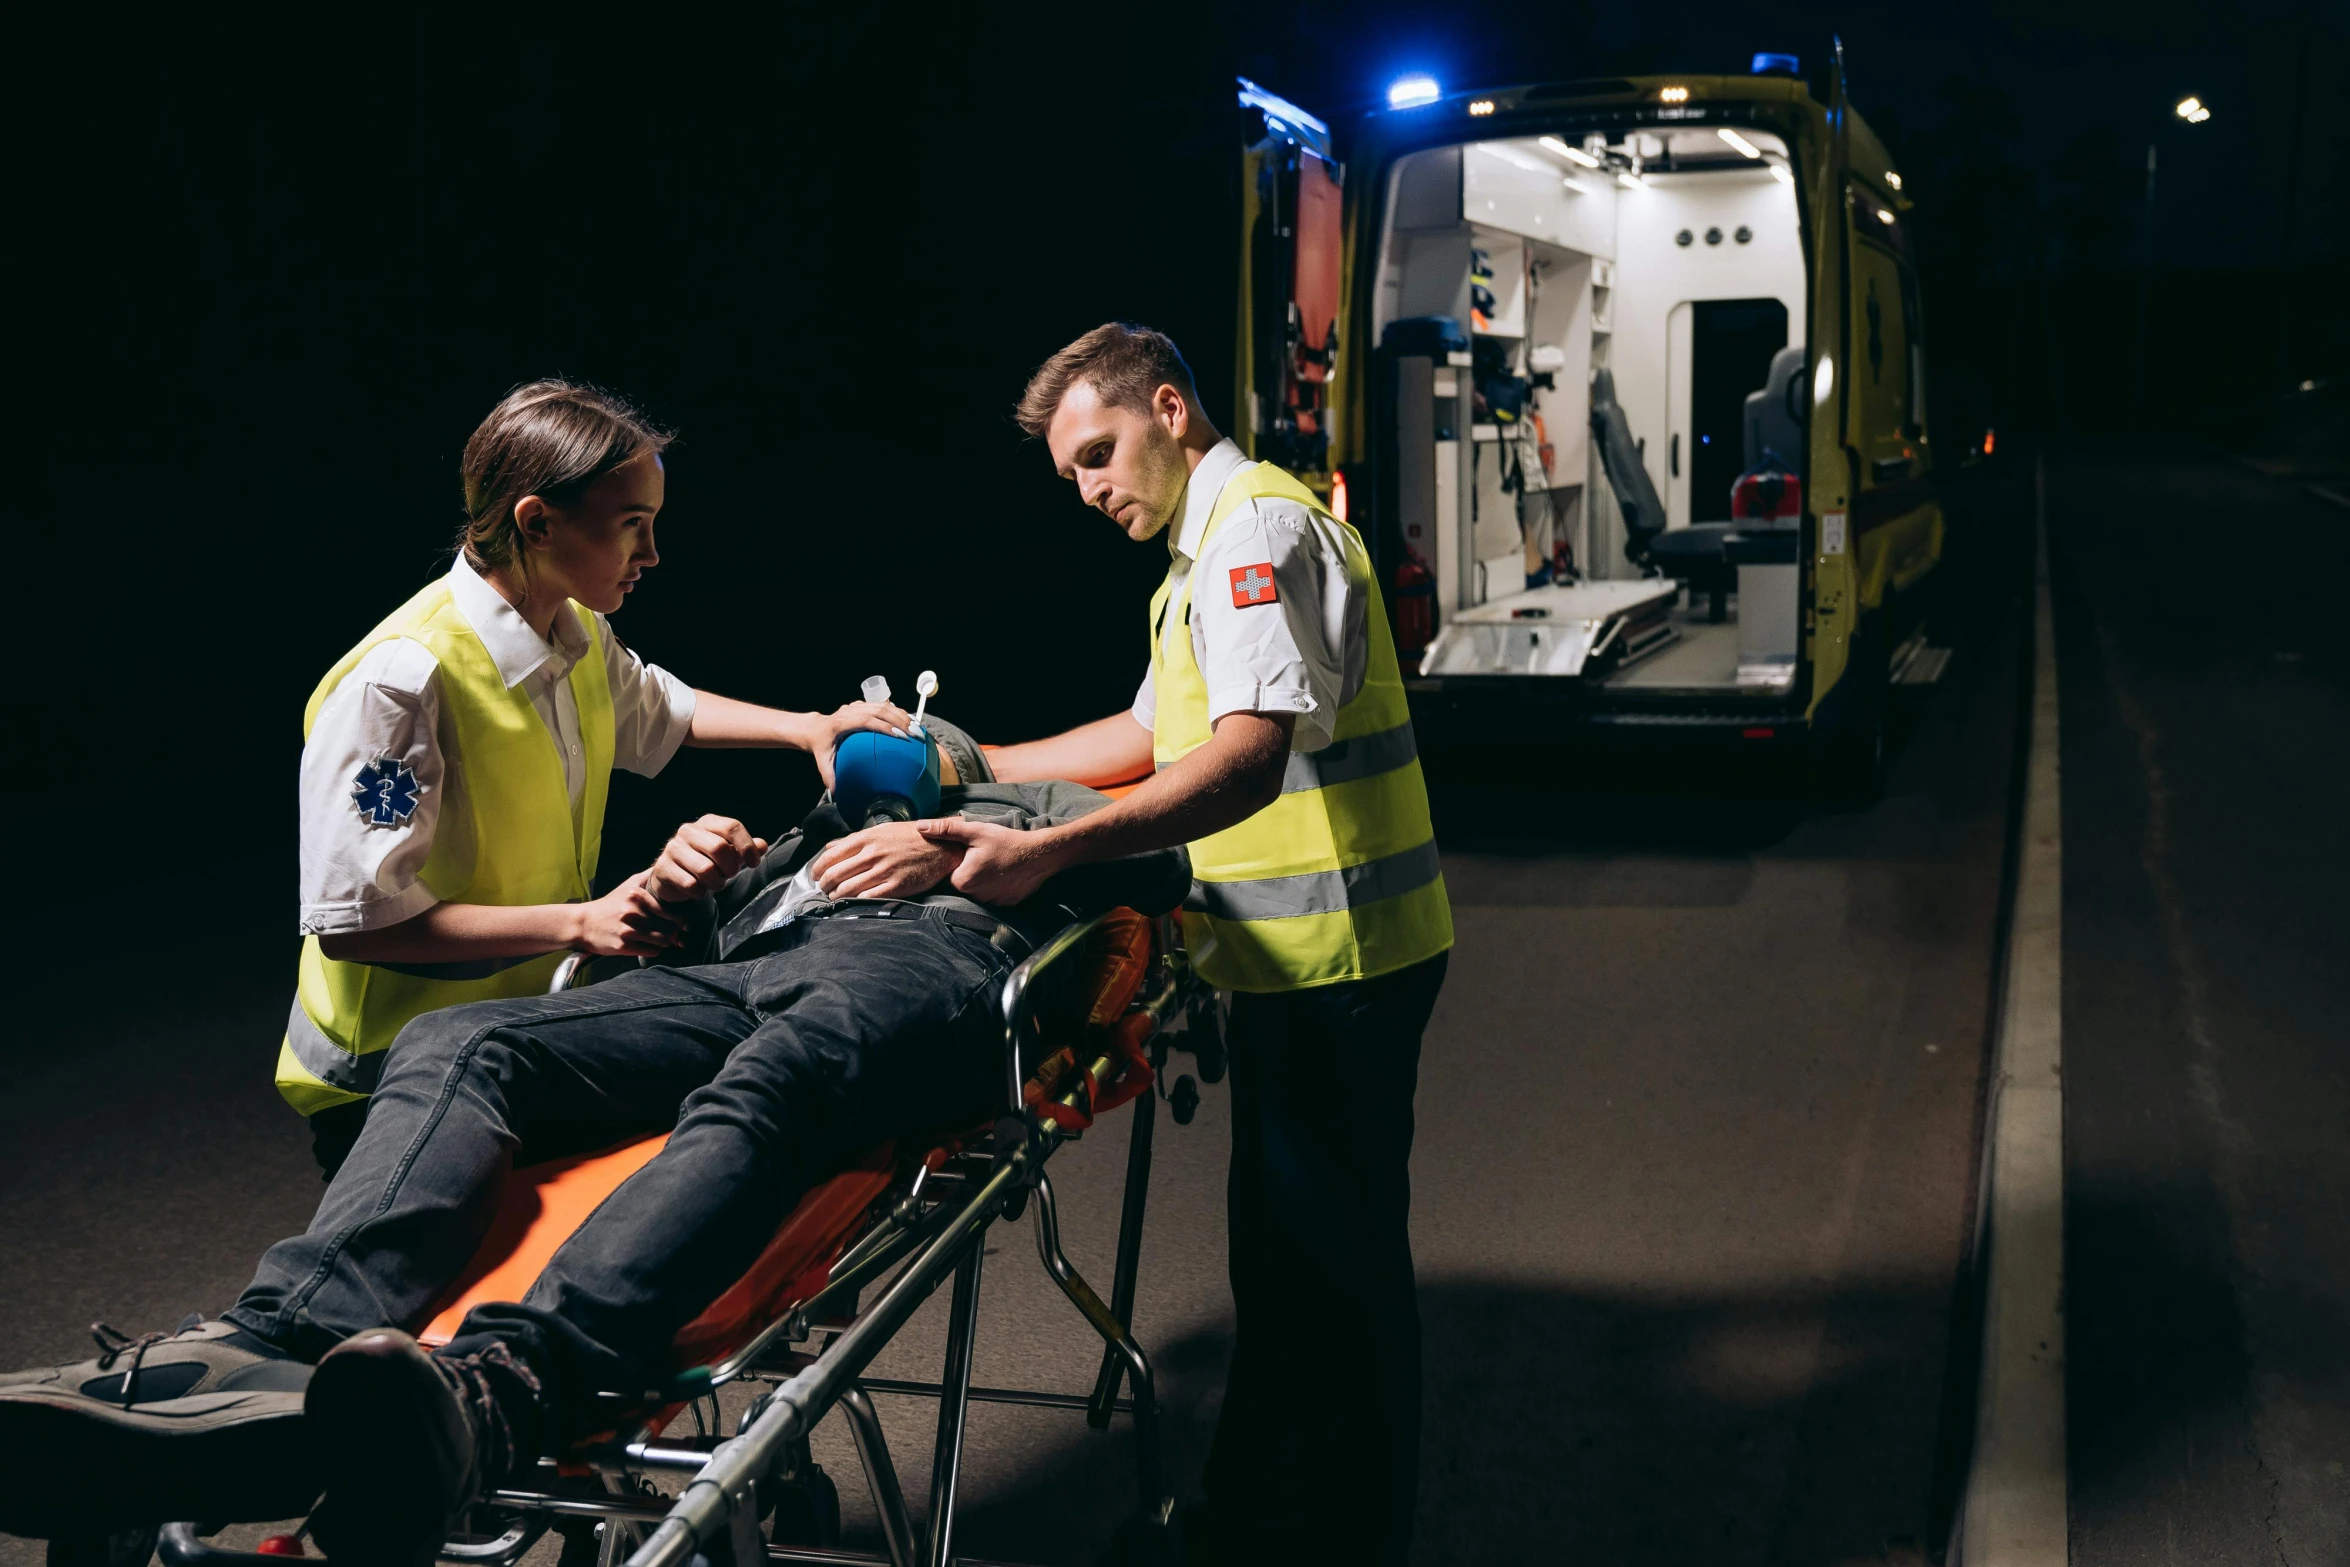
1623,382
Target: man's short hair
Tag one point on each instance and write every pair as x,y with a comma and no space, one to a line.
1122,362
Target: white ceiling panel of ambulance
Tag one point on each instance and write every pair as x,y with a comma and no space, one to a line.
1565,193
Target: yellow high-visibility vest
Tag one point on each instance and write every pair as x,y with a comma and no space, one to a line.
506,835
1337,879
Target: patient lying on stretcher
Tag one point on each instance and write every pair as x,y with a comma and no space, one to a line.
807,1027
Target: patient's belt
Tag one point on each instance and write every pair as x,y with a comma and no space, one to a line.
803,898
1001,934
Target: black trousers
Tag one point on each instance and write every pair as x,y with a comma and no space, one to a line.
1317,1452
773,1074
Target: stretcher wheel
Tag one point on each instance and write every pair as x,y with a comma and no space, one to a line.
807,1510
1184,1101
125,1548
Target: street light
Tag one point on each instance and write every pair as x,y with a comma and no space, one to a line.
2189,110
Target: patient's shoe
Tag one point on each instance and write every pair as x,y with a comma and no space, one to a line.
409,1441
205,1422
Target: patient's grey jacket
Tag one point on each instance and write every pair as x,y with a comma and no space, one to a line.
746,916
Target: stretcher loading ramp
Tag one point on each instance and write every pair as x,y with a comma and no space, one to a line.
1593,627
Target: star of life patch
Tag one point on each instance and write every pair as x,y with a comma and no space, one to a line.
1253,585
384,793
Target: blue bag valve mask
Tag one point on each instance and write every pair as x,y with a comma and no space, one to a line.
881,778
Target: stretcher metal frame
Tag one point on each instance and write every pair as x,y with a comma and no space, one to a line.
932,1226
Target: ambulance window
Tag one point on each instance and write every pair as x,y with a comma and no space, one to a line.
1874,219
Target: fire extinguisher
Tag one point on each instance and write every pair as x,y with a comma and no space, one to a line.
1415,611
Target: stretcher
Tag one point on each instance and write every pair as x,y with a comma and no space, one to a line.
1088,1020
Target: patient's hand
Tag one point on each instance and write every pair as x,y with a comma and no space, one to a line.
627,922
889,861
998,864
700,856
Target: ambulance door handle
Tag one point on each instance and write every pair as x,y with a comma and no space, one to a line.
1676,454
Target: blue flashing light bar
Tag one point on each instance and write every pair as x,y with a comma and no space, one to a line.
1775,65
1409,92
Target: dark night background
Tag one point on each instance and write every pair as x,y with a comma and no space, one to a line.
267,277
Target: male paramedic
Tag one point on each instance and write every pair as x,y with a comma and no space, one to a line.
1274,712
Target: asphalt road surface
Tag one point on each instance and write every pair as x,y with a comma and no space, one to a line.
2207,1107
1693,1180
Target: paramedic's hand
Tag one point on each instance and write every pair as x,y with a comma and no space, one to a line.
889,861
627,922
1001,865
700,856
832,728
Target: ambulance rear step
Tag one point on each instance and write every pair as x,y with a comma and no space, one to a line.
1916,663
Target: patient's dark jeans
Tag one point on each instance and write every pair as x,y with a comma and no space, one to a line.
1317,1451
775,1074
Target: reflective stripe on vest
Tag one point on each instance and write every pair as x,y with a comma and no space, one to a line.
1338,878
506,834
1317,892
327,1062
1342,761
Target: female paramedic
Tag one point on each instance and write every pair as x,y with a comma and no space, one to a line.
455,762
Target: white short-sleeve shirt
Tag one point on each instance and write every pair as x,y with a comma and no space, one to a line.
1301,649
357,875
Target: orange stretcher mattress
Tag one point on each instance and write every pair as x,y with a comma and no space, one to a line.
1115,788
543,1204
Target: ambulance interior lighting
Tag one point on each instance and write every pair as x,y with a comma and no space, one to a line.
1779,173
1823,380
1883,216
1571,154
1746,147
1893,179
1409,92
1673,95
2192,110
1629,180
1480,108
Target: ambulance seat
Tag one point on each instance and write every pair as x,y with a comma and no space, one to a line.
1692,555
1774,415
1627,475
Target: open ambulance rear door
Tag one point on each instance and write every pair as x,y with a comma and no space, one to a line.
1829,473
1291,267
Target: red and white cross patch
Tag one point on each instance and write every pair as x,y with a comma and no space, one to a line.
1253,585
